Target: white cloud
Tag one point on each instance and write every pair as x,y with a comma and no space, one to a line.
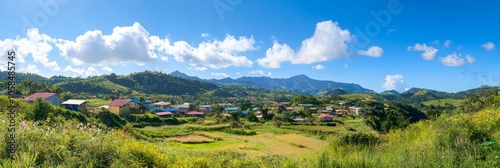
2,68
205,35
216,54
489,46
123,45
133,44
470,58
269,74
74,70
200,68
257,72
394,82
328,42
319,67
91,71
429,52
35,44
447,43
452,60
219,74
276,55
31,68
373,51
237,73
107,69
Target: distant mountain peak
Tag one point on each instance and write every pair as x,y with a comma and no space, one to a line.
183,75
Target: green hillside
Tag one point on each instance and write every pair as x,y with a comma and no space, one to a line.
443,102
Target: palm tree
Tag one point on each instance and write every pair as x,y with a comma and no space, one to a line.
31,86
42,87
4,84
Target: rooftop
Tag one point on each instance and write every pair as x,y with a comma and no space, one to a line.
164,113
74,102
41,95
161,103
119,102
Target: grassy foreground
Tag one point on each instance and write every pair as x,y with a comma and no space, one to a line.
458,140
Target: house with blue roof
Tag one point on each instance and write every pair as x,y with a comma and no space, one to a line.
232,109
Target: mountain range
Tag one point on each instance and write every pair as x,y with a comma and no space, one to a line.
178,83
301,84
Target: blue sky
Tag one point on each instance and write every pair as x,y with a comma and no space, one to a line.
388,44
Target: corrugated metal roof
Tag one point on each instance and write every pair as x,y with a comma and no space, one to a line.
119,102
74,101
41,95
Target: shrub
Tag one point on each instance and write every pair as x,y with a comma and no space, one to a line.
240,131
110,119
359,138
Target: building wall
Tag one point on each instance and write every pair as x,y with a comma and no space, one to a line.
115,109
83,107
54,100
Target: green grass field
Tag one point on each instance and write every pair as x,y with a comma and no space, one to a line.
97,102
442,102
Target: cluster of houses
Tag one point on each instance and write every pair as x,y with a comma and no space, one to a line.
125,107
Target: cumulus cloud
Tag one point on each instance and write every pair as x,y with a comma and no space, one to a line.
74,70
31,68
2,68
429,52
269,74
447,43
394,82
328,42
91,71
276,55
105,68
374,51
35,44
470,59
215,54
124,44
319,67
489,46
453,60
219,74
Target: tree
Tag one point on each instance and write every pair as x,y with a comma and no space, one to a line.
252,117
235,120
56,89
281,109
142,100
4,84
266,115
66,96
42,109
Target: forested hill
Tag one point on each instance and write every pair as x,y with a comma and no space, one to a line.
145,82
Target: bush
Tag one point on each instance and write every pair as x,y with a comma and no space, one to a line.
240,131
359,138
110,119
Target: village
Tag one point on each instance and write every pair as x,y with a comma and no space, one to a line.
124,107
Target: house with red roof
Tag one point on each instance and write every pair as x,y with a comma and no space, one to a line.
325,117
52,98
120,107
